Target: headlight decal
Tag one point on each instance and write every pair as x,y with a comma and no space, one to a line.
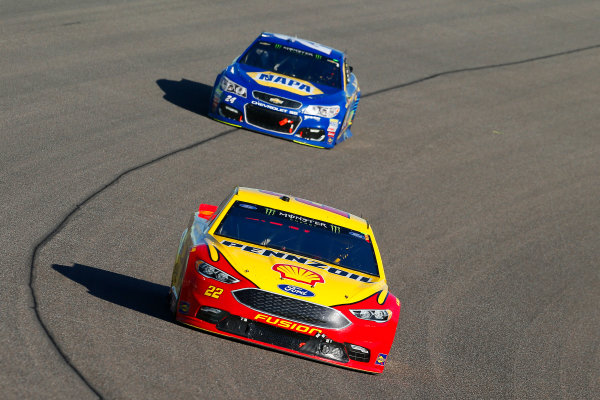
322,111
215,273
373,315
230,86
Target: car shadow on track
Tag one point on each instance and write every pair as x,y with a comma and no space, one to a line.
136,294
190,95
142,296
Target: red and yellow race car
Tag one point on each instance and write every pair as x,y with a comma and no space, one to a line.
289,274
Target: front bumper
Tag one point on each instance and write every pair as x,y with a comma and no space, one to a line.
255,114
348,342
267,334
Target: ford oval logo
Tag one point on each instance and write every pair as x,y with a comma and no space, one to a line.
296,290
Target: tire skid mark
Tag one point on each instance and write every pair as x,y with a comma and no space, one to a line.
67,217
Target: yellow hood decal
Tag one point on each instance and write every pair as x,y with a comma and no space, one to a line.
311,280
284,82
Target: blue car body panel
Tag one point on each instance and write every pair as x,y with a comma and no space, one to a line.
277,101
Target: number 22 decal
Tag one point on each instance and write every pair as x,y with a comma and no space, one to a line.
213,292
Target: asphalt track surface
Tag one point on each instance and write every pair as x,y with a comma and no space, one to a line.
475,157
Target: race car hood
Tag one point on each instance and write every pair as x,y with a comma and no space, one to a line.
283,85
300,277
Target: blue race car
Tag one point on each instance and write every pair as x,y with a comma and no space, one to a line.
290,88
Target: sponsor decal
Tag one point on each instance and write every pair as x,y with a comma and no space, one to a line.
306,116
333,125
248,206
293,217
356,234
297,259
269,211
300,219
276,100
295,290
298,274
335,228
381,359
298,51
297,86
330,140
307,43
269,106
184,307
282,323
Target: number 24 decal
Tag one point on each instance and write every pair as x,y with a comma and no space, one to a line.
213,292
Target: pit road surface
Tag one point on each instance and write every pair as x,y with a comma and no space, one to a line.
475,157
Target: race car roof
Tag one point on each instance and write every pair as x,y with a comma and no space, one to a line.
303,207
302,44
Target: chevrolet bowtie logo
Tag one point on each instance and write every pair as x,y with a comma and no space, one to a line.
275,100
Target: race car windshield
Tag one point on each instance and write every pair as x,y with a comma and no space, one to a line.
293,62
300,235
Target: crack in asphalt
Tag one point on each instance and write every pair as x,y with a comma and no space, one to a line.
57,228
481,67
64,222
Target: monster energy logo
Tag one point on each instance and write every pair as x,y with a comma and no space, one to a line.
318,56
277,46
335,229
269,211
